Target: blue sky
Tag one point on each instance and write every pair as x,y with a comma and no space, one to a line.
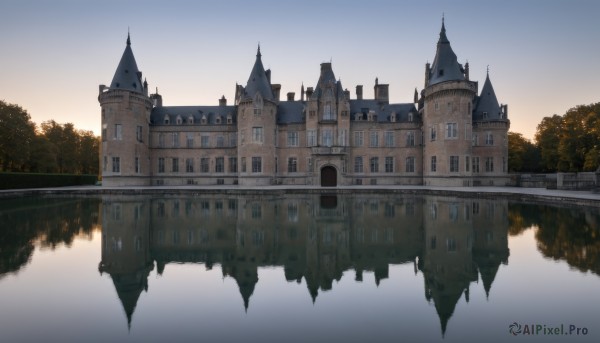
541,54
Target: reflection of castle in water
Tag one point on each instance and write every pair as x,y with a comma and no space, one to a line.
313,237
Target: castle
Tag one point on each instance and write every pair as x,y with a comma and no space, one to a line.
448,136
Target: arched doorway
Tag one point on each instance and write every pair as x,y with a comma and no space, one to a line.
328,176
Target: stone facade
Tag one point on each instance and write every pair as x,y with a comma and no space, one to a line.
447,136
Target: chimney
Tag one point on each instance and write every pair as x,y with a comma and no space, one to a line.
268,73
359,94
290,96
276,88
427,72
467,71
302,92
347,94
223,101
381,92
309,92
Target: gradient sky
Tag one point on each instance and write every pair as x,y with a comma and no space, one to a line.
54,54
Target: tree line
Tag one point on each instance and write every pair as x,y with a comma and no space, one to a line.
48,148
567,143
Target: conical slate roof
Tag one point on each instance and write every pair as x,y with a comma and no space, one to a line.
127,75
487,102
445,66
258,82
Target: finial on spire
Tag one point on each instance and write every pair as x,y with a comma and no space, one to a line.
128,38
258,51
488,70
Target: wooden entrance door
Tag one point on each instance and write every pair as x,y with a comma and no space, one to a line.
328,177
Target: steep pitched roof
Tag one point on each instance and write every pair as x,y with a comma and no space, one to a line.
327,81
127,76
258,81
487,102
445,66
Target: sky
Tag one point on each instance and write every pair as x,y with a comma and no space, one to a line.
54,54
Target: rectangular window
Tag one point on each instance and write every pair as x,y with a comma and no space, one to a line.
389,164
410,164
328,112
257,134
256,164
175,165
118,132
358,164
104,163
475,139
204,141
243,164
233,139
358,138
220,165
451,130
489,164
433,133
161,140
190,140
389,138
374,138
467,163
504,164
454,164
220,141
434,164
311,138
161,164
138,133
137,165
374,164
116,164
104,133
343,137
475,164
233,164
292,138
327,138
204,164
189,165
410,138
292,165
175,140
489,139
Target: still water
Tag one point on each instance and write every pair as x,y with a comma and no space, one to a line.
297,268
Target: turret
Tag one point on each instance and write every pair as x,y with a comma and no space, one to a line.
124,155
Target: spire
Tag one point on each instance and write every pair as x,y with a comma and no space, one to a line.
127,75
487,107
445,66
128,38
258,82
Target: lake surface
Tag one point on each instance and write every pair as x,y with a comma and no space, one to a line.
297,268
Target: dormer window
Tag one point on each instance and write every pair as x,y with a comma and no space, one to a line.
166,120
358,116
393,117
258,104
485,115
178,120
441,72
203,120
190,120
410,117
218,120
229,119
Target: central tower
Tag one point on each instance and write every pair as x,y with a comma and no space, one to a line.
447,119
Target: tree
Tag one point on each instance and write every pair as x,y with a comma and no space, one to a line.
88,158
523,156
547,138
16,133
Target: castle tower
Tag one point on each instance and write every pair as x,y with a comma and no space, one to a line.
447,119
257,129
490,138
124,156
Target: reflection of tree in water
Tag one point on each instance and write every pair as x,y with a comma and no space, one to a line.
566,234
50,222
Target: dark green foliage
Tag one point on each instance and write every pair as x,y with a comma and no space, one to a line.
33,180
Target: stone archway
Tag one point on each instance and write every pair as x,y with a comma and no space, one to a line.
328,176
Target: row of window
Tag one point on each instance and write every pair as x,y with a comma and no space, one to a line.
452,133
388,165
203,120
173,140
454,162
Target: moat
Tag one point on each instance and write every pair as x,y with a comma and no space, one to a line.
296,268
